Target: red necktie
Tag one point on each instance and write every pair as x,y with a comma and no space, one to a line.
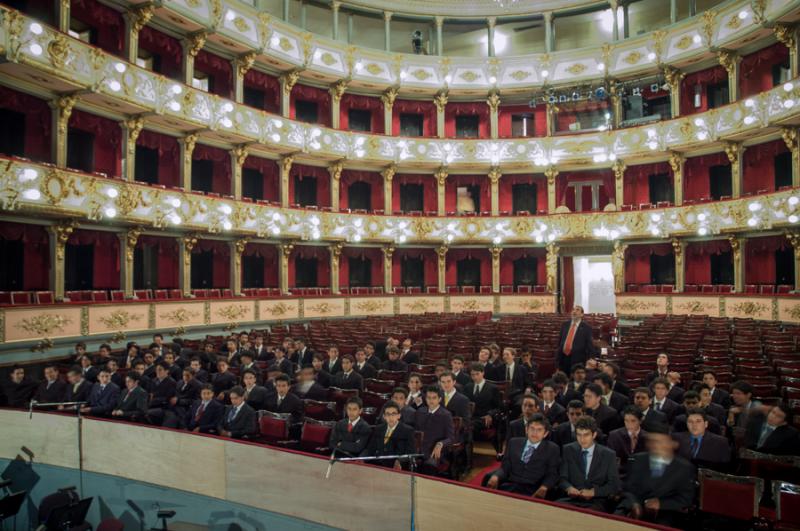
200,411
570,337
349,427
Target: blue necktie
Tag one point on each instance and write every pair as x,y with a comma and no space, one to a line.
231,414
695,446
585,462
526,455
658,470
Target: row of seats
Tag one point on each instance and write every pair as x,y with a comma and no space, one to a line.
763,289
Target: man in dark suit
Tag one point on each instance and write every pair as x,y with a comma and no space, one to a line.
103,397
643,399
519,427
612,369
173,369
659,484
555,412
132,403
691,401
248,364
282,401
78,388
307,388
303,354
661,403
629,439
52,389
239,420
372,358
407,353
662,369
675,392
200,374
231,352
459,372
322,377
700,446
436,425
718,396
456,403
607,419
363,367
281,363
88,370
564,433
611,398
589,474
255,395
260,351
162,394
333,364
407,413
347,378
575,344
514,373
530,464
223,380
573,390
392,437
712,408
351,434
486,397
770,433
187,391
116,377
205,414
393,361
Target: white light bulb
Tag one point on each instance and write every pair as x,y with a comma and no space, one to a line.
277,123
743,15
702,135
749,103
651,56
652,145
655,217
788,104
114,85
793,200
276,230
497,240
110,212
545,73
315,234
601,66
403,224
226,122
793,218
230,15
227,225
788,86
32,194
120,67
449,237
752,222
748,120
403,74
36,49
699,122
174,201
359,65
112,193
29,174
402,238
174,106
274,41
225,209
754,207
697,39
36,28
276,137
358,222
227,106
448,78
357,238
612,157
701,216
276,216
314,220
175,219
654,231
492,80
702,231
176,89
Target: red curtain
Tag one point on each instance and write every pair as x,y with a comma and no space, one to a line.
270,254
637,181
512,254
373,254
451,191
569,111
426,108
698,259
429,264
270,86
353,176
637,261
220,69
323,263
107,156
568,288
221,180
458,108
567,196
703,78
759,166
167,249
168,50
105,21
696,178
456,255
428,183
169,165
320,96
362,103
269,171
323,183
106,256
755,70
221,266
506,187
505,112
37,121
36,252
759,259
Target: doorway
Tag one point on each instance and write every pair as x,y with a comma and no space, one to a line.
588,281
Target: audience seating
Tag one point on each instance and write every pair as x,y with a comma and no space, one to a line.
735,497
787,505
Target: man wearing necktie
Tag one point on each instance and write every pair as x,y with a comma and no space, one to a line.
239,420
575,342
393,437
589,472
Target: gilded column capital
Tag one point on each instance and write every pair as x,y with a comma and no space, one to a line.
440,100
286,249
728,60
336,250
441,175
140,16
338,89
189,142
495,250
736,246
493,101
245,62
441,252
289,80
286,163
388,97
786,35
134,125
494,175
195,42
676,161
131,238
63,105
240,154
677,248
389,172
388,251
618,168
189,241
335,170
62,231
673,77
733,150
790,137
551,173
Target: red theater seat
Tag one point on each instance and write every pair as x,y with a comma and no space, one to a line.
787,505
273,427
21,297
117,295
735,497
44,297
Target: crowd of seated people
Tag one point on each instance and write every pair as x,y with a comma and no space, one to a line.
586,439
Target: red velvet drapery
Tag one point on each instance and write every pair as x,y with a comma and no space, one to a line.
637,261
323,182
759,259
221,180
168,50
269,171
451,191
698,259
270,86
373,254
320,96
506,112
429,264
428,183
569,111
169,154
703,78
506,187
456,255
323,263
362,103
759,166
270,254
36,252
568,287
755,70
107,138
167,249
105,21
37,121
459,108
509,256
105,264
696,174
426,108
221,265
637,181
374,180
566,195
219,69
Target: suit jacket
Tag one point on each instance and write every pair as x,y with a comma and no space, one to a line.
55,393
201,376
103,401
718,412
350,442
714,449
161,393
291,404
304,358
653,419
721,397
400,443
187,392
458,406
409,357
118,379
571,393
563,434
676,394
517,428
256,369
519,380
488,402
607,419
133,403
582,346
669,408
90,373
557,414
337,366
221,382
435,427
603,475
375,361
783,440
367,371
351,381
257,397
674,489
397,365
323,379
209,420
243,424
463,379
622,388
81,394
653,375
620,442
618,401
540,470
315,392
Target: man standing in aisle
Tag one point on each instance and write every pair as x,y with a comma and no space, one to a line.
575,344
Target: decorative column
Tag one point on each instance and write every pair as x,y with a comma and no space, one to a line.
284,252
673,11
673,77
614,16
286,10
549,41
61,111
490,24
63,15
337,91
676,162
130,132
619,182
388,97
335,5
625,20
787,35
135,19
551,173
441,179
59,235
679,251
734,151
335,171
238,156
388,252
335,253
185,245
496,251
439,22
730,62
441,269
616,105
440,100
790,137
794,241
552,267
186,145
493,101
738,263
127,247
618,266
387,31
287,82
191,47
550,118
237,249
494,181
241,66
283,185
388,176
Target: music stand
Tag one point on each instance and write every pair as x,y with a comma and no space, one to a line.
67,516
10,505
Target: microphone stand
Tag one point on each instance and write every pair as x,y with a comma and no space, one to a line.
70,405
